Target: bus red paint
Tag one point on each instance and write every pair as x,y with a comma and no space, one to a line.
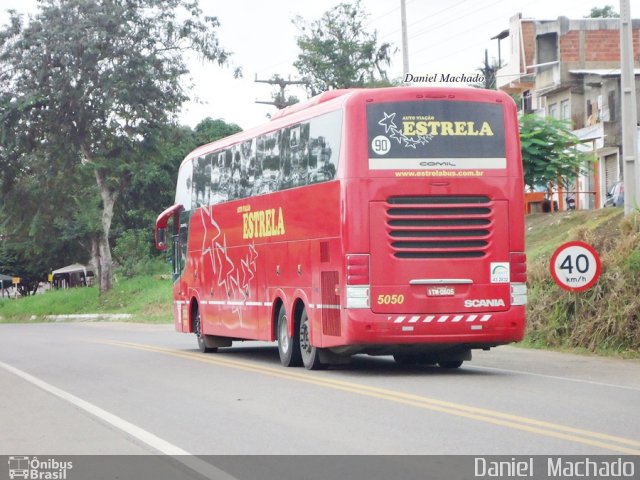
378,221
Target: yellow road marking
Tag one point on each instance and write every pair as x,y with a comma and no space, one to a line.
585,437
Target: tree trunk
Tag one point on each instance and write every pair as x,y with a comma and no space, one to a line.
105,263
95,256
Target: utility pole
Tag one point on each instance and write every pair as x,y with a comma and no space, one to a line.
631,169
405,41
279,99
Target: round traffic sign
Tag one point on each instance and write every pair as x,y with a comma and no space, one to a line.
575,266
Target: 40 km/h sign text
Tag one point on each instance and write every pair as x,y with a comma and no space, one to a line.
575,266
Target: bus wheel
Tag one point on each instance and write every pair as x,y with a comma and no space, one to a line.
288,345
451,364
310,355
197,329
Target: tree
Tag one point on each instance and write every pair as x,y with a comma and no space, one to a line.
150,190
603,12
210,130
338,52
49,216
489,72
152,185
549,153
84,82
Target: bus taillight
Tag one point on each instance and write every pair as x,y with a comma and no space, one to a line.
518,276
518,268
358,281
357,269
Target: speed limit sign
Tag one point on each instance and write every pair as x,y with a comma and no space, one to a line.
575,266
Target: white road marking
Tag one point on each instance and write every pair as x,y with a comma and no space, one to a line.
554,377
148,438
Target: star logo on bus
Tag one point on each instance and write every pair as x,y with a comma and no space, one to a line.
387,123
396,134
412,142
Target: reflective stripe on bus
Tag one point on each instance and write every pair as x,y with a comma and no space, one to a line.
440,318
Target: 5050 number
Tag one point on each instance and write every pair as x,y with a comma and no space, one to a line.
390,299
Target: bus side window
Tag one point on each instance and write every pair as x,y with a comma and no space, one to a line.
208,178
227,170
247,167
285,180
299,143
217,178
201,183
214,178
325,134
183,189
271,162
260,155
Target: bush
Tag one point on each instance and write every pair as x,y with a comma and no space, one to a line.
133,254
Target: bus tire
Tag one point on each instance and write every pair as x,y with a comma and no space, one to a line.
288,345
450,364
197,329
310,355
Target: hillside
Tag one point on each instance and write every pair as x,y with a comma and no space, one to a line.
603,319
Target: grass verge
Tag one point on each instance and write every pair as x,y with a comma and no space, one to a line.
146,297
604,319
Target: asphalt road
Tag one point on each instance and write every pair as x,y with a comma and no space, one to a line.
118,388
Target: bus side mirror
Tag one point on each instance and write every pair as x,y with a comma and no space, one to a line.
161,225
161,238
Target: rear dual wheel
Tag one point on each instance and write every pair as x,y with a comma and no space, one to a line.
296,349
288,345
310,355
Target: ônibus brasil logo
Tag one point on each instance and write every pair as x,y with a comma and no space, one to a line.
33,468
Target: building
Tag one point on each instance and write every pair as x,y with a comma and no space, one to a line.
570,70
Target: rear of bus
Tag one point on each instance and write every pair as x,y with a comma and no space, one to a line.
433,229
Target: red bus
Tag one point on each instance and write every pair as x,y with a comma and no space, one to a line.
379,221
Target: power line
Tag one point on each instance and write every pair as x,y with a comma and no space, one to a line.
429,30
423,18
431,45
279,100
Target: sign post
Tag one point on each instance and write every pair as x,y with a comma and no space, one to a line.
575,266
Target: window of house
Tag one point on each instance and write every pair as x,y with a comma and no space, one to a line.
565,111
612,105
553,110
527,101
547,49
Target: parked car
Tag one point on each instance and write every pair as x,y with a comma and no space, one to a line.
615,197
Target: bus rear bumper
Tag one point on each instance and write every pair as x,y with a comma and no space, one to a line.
363,328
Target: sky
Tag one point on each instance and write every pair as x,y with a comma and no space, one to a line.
443,37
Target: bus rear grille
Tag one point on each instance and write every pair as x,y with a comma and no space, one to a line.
439,226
